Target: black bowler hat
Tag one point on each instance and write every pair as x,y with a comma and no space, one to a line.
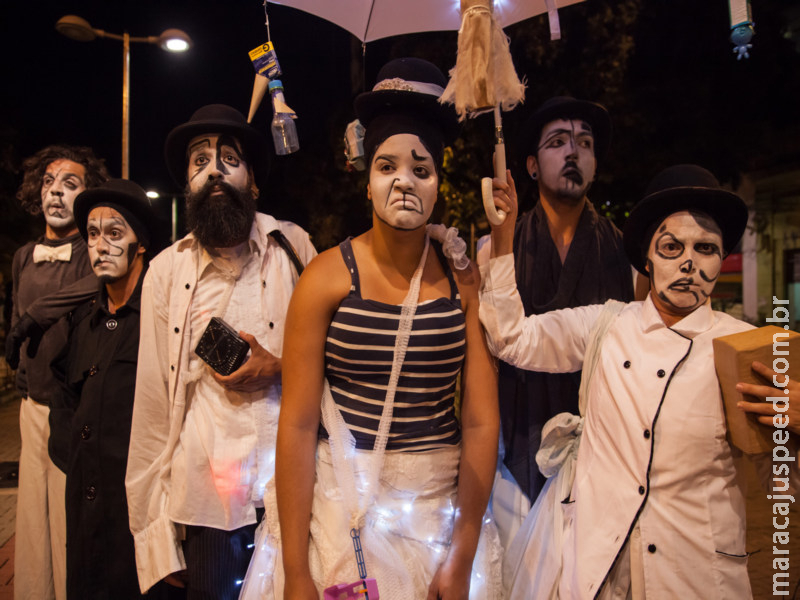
217,119
564,107
409,85
127,198
678,188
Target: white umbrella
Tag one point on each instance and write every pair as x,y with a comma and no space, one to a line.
371,20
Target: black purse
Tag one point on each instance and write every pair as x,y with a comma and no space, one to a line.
221,347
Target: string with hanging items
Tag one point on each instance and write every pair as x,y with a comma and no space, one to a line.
742,27
268,72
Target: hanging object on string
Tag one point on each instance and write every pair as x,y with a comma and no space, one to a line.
266,65
265,62
284,131
742,27
484,79
354,146
366,588
484,75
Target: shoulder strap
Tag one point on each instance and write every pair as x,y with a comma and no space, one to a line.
283,242
592,355
437,246
346,249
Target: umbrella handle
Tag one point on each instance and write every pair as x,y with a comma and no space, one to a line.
496,217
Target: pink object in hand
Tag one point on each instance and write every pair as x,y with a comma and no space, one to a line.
362,589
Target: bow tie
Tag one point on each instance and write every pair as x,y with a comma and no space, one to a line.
42,253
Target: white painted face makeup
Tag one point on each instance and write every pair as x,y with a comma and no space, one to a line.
565,164
215,156
684,261
403,183
113,245
63,180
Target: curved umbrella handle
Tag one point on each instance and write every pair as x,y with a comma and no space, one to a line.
496,217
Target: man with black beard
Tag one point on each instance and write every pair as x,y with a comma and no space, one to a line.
566,255
203,444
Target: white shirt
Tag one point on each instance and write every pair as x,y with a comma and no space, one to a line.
164,463
654,448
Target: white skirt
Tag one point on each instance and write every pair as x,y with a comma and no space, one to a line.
405,538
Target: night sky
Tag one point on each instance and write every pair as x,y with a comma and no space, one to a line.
60,90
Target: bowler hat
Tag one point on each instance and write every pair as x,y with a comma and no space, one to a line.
678,188
217,119
130,200
409,85
565,107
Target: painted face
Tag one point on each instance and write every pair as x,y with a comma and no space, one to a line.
684,261
63,180
403,183
215,158
564,163
113,245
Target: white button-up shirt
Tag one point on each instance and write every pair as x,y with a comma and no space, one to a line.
654,448
166,384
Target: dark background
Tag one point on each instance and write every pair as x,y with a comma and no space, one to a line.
664,68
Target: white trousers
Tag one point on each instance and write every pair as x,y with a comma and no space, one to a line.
40,559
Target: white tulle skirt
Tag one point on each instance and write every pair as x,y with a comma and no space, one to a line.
405,538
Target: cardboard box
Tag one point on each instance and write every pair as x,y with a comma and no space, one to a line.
733,355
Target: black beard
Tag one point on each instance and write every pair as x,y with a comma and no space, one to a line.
222,221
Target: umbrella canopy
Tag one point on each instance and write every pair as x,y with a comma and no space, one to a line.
371,20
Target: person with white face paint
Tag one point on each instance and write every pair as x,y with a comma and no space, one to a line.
53,177
91,418
377,333
202,443
654,509
566,255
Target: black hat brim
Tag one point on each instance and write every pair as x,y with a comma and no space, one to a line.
254,144
726,208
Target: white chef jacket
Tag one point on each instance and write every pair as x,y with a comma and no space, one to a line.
654,448
164,384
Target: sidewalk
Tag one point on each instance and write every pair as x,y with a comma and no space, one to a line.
9,451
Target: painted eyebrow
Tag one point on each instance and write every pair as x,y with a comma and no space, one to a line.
232,147
114,221
73,176
416,156
197,145
562,131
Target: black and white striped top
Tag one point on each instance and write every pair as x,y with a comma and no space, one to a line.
358,356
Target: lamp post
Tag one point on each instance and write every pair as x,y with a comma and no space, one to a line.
173,40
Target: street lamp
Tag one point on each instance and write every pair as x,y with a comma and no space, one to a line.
173,40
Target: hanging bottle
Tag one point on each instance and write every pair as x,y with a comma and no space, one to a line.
284,131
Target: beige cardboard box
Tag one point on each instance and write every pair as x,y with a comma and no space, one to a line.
733,355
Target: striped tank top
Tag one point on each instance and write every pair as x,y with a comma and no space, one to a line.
358,361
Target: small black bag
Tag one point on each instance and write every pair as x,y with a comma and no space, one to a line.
221,347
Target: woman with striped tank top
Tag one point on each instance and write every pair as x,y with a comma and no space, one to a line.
379,331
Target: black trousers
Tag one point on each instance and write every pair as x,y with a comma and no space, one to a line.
217,560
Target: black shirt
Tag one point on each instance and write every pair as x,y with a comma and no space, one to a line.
90,433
